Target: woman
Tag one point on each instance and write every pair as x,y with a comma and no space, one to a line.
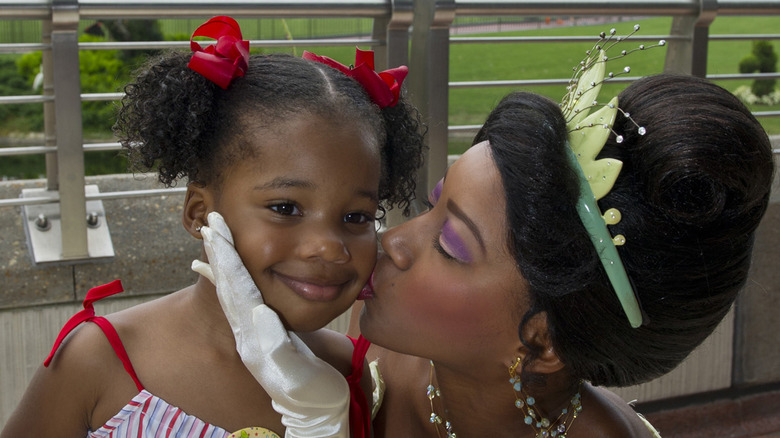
495,312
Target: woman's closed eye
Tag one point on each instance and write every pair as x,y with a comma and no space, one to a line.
450,244
440,249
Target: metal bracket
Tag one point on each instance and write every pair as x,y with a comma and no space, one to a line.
42,226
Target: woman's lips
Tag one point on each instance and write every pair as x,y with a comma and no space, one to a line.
368,289
313,289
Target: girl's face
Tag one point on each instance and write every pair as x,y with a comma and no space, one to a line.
444,286
302,216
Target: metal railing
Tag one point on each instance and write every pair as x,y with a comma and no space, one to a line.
412,32
55,216
686,52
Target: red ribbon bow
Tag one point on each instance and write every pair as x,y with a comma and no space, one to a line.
225,60
383,87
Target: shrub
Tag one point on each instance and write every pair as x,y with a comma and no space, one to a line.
762,59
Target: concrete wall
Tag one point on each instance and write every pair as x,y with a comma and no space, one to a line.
153,254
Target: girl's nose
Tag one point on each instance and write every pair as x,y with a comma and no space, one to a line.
325,244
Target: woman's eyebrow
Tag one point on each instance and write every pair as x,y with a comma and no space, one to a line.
460,214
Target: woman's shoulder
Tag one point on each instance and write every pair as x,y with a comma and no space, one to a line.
611,415
403,409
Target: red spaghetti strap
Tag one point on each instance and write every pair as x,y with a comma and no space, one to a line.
359,354
359,412
88,313
119,349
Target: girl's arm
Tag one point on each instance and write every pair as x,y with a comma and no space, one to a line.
60,399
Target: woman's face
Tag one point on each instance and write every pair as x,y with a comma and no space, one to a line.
446,286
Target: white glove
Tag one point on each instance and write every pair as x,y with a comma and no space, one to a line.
312,396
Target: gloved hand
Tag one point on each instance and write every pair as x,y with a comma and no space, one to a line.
312,396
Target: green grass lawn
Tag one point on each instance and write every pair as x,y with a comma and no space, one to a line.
505,61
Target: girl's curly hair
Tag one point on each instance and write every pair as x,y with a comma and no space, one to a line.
175,121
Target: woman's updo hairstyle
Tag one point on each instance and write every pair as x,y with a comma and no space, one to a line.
692,192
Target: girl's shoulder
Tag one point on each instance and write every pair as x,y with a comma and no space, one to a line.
331,346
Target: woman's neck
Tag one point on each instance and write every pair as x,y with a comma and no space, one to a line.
468,399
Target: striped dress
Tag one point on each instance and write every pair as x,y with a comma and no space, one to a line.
150,416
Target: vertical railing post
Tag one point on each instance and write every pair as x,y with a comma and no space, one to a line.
701,37
689,53
429,83
49,128
67,115
394,30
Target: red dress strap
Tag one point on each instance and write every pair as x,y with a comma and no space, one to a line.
88,314
359,410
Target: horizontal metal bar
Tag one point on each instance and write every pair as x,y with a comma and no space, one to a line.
464,128
748,7
143,45
578,7
97,147
25,9
23,47
611,8
27,150
744,76
126,194
96,97
530,82
766,113
16,202
33,150
746,36
5,100
553,39
91,9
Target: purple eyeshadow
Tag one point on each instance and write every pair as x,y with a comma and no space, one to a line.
436,192
453,242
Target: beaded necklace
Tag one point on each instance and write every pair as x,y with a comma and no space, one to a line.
543,427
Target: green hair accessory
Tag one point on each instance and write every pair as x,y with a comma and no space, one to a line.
588,132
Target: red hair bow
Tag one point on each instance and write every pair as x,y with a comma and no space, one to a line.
383,87
225,60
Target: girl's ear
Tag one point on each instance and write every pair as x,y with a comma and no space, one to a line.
536,333
198,203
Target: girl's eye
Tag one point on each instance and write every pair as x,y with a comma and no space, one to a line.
358,218
286,209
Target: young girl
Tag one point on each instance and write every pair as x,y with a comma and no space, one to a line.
297,157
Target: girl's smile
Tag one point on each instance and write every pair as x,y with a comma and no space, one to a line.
301,206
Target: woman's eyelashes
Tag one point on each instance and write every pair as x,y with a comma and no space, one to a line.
450,245
440,249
